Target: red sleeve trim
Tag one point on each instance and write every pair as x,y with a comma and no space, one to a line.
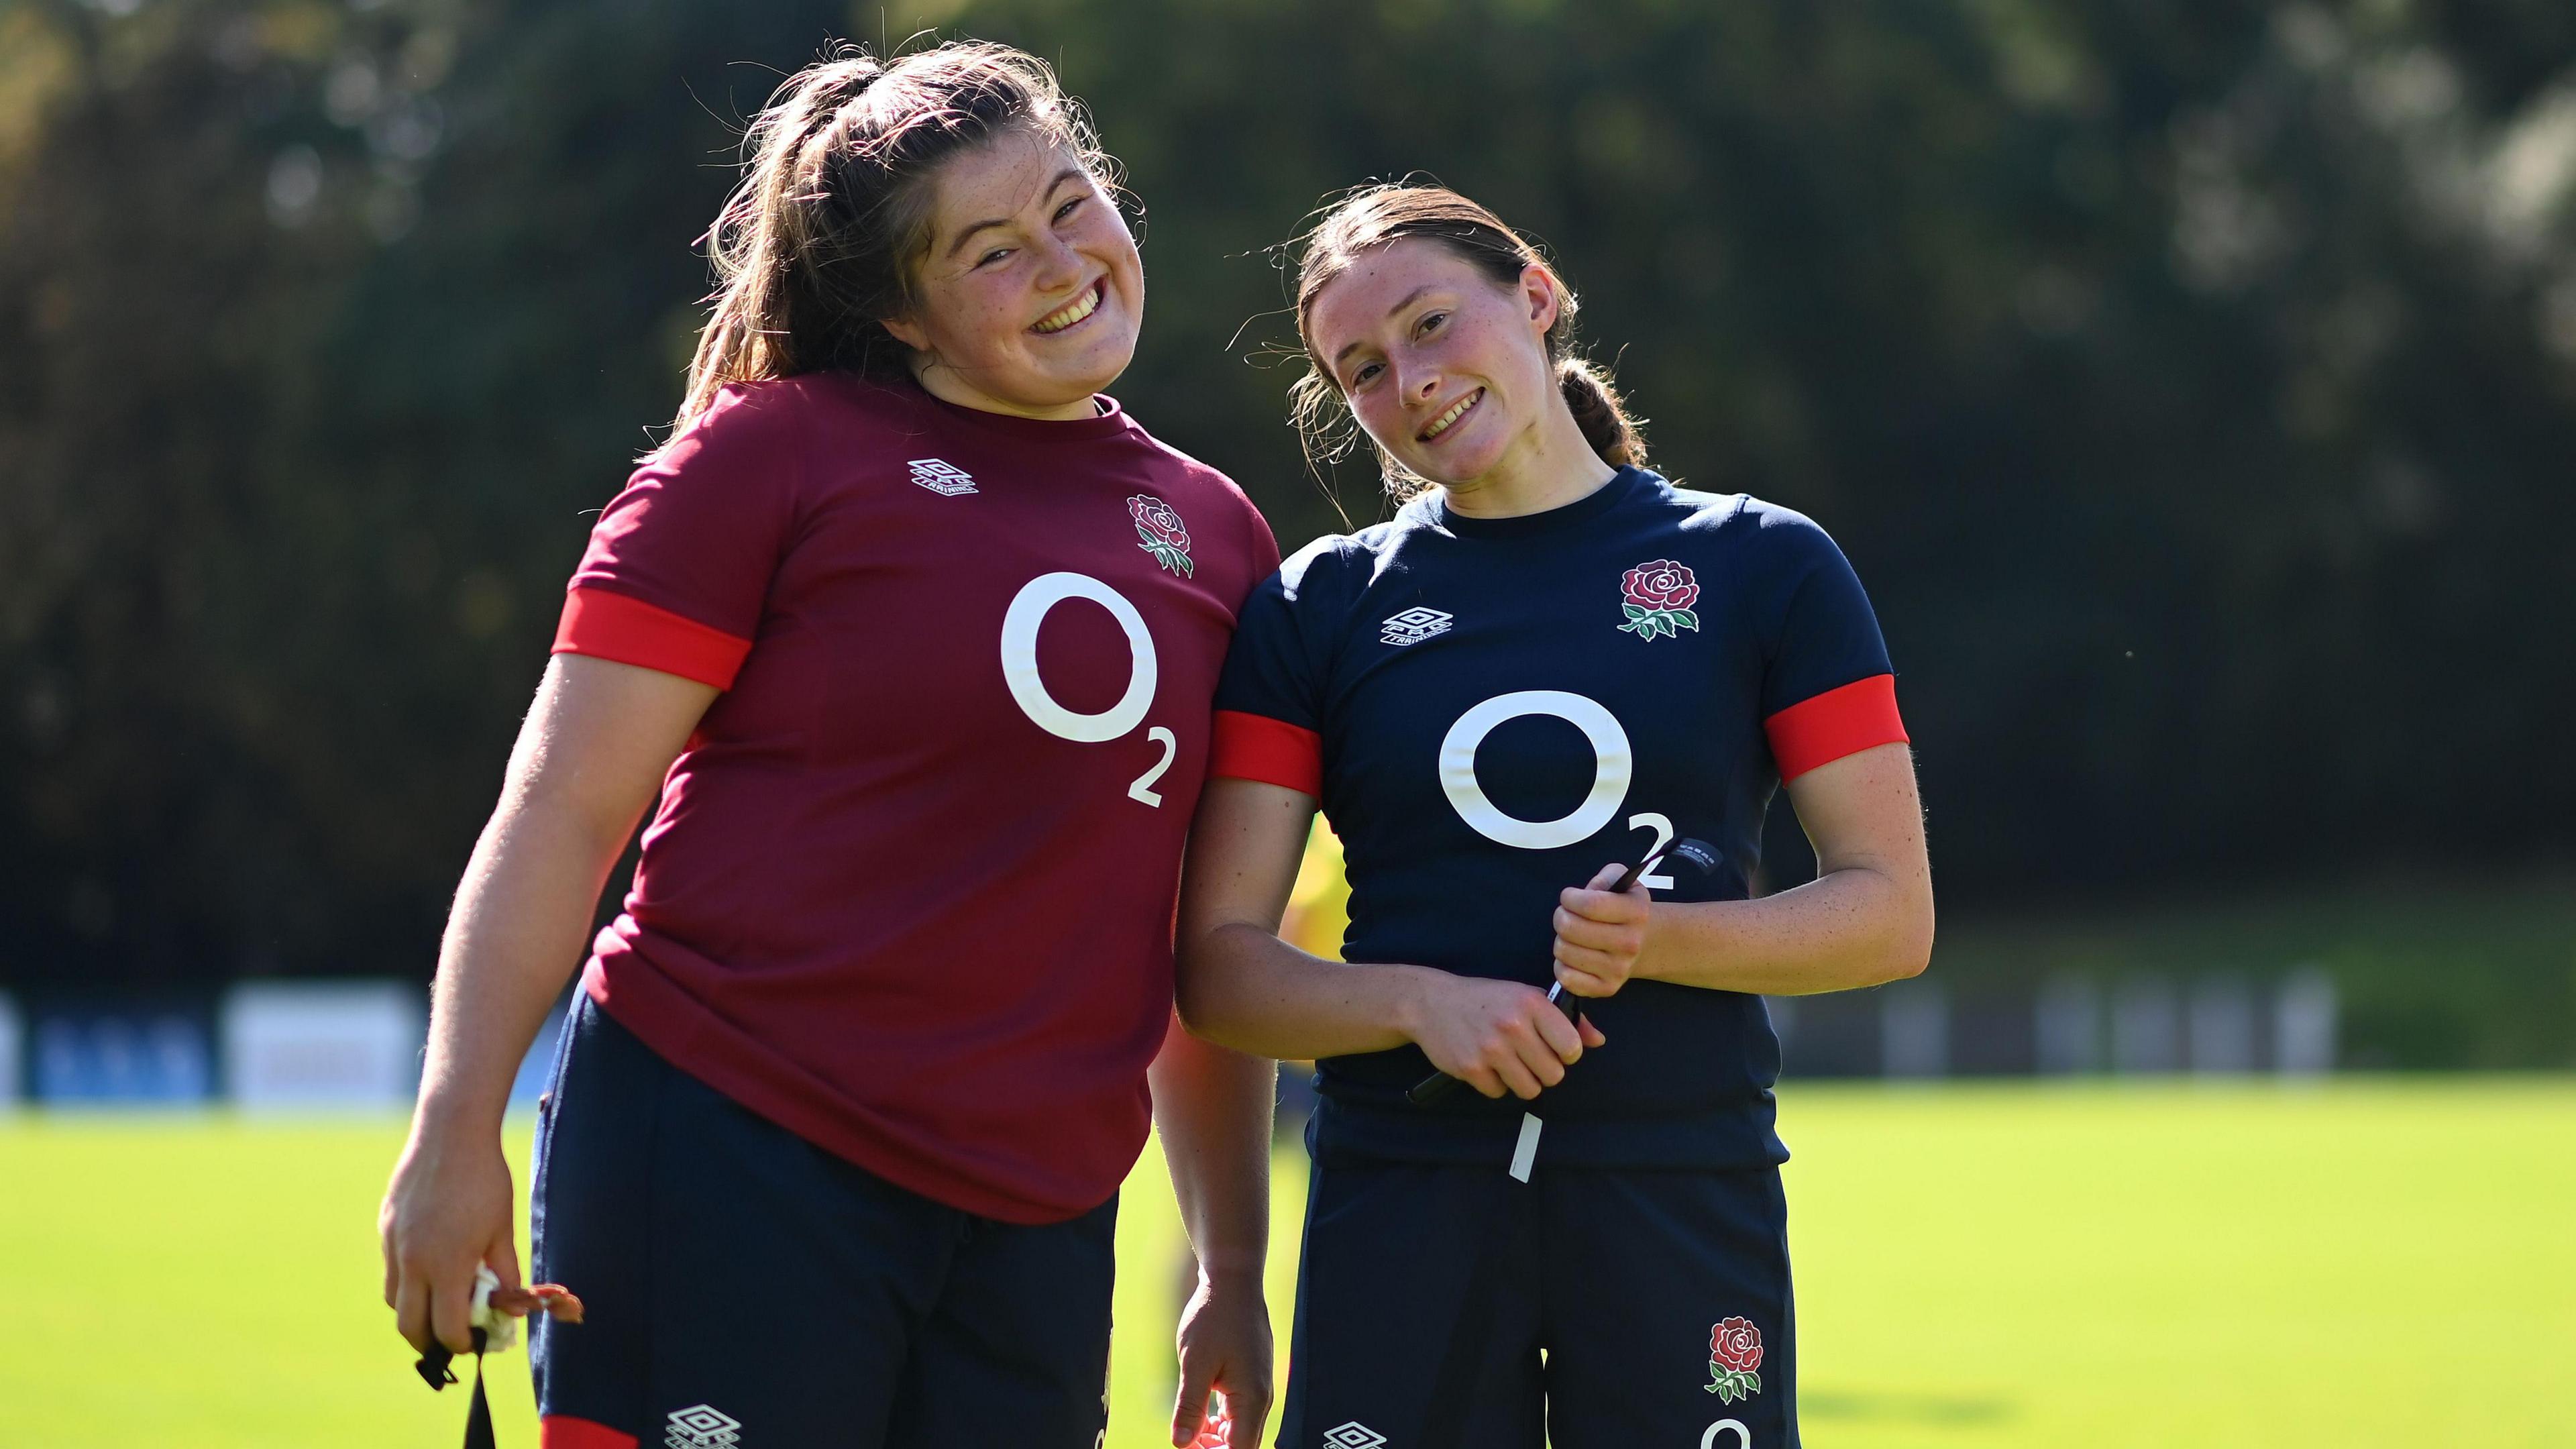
606,625
562,1431
1275,752
1818,731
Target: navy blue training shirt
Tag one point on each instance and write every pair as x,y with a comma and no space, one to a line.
1490,710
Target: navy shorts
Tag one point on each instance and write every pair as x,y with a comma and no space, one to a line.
1444,1307
743,1288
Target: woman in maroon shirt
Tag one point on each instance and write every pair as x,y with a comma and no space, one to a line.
908,638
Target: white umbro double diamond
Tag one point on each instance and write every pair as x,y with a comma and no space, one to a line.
702,1427
945,479
1412,627
1354,1435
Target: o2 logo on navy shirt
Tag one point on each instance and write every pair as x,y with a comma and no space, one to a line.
1613,765
1020,627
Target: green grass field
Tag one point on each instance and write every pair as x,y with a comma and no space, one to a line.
2371,1262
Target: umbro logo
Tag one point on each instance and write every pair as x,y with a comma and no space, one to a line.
1354,1435
702,1427
1412,627
945,479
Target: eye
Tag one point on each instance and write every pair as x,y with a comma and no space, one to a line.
1067,209
1431,322
1367,373
995,255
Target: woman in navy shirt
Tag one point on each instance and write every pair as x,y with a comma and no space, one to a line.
1548,665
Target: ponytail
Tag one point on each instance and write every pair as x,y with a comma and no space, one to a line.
1598,412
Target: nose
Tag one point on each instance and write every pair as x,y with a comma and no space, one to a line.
1418,382
1060,266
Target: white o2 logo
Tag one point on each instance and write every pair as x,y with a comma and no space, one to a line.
1735,1427
1611,766
1020,626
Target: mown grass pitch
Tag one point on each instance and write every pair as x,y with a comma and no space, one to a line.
2359,1263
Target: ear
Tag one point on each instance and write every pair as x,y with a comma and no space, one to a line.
908,332
1539,293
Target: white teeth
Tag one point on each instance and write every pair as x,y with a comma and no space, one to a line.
1066,316
1441,423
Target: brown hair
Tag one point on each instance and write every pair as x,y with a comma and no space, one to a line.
820,242
1374,216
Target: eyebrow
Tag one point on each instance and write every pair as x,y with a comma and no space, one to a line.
1409,299
1070,173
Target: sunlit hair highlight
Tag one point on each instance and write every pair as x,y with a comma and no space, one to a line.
1380,215
821,241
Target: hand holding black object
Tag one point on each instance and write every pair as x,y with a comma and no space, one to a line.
1696,855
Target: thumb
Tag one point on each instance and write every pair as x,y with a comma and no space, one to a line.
501,1255
1189,1409
1607,876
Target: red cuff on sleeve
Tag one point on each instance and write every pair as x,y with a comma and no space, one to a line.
1275,752
562,1431
607,625
1838,722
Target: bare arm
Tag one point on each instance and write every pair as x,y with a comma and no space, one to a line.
1865,919
1243,987
589,758
1213,1108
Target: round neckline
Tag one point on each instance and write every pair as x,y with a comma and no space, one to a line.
1525,525
1110,421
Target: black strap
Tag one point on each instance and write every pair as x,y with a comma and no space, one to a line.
434,1371
1453,1388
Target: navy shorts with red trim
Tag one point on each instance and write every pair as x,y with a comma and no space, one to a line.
744,1288
1450,1307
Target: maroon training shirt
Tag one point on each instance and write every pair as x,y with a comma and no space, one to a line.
909,890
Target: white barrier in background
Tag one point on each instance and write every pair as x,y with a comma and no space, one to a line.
339,1044
1914,1029
2220,1027
2068,1026
9,1035
2305,1023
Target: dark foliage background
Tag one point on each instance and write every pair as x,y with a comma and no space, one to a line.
2194,385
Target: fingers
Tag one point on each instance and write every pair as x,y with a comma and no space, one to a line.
411,1312
1592,1036
451,1305
1607,876
501,1255
385,1247
1559,1036
1189,1407
1245,1413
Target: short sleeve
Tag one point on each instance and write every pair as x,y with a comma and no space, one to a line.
679,565
1827,688
1269,707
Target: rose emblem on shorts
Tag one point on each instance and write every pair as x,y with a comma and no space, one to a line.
1163,534
1734,1352
1659,595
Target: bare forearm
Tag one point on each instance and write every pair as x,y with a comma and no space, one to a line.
518,929
1848,928
1247,989
1213,1108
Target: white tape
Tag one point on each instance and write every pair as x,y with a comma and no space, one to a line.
1526,1151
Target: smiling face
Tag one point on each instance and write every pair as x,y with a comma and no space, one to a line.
1032,291
1445,368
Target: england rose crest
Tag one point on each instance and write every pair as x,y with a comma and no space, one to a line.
1164,535
1659,599
1734,1352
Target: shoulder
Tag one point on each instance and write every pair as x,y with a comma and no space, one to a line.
1771,538
782,419
1196,482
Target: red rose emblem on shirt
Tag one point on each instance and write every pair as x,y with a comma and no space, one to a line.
1734,1353
1161,532
1659,595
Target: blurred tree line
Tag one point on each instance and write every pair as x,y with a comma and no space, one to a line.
2194,386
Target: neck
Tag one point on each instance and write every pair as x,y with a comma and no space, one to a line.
947,386
1549,467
